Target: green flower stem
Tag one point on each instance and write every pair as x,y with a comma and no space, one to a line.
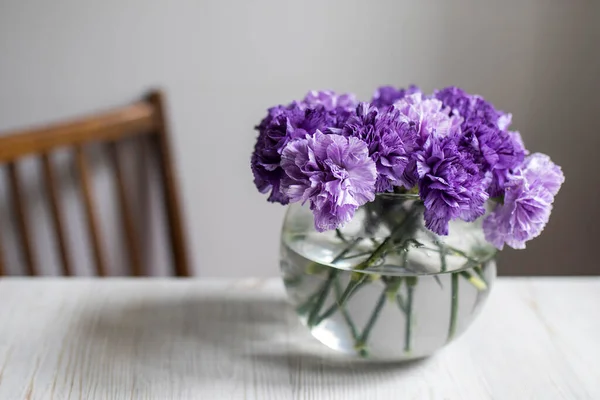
400,302
338,291
356,255
477,281
392,285
322,296
358,279
474,280
443,263
461,253
347,250
319,297
341,301
455,252
292,281
361,344
382,248
340,235
411,282
307,305
388,242
479,271
453,307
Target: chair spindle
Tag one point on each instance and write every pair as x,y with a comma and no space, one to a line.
56,213
22,220
90,210
126,215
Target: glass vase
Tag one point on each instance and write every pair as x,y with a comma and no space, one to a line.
384,286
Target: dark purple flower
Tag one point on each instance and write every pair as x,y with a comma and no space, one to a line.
450,184
334,173
471,107
282,124
390,140
497,151
527,203
387,95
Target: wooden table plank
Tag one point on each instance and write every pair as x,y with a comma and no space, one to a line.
537,338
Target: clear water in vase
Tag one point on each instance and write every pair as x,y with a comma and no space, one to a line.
406,306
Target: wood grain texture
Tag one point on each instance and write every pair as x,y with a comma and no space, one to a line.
219,339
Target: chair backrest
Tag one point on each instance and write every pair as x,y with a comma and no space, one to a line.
145,119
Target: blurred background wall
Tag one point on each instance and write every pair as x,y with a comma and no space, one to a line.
222,63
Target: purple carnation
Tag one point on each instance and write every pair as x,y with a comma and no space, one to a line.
330,100
527,203
504,121
282,124
390,140
497,151
450,184
334,173
517,142
429,115
387,95
471,107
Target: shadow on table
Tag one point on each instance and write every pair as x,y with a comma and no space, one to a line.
216,339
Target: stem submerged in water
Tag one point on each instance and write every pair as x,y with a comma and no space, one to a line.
322,296
345,314
341,300
411,282
361,343
453,307
318,298
388,242
474,280
401,238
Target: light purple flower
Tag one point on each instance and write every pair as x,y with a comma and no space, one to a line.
385,96
330,100
517,142
504,121
429,115
334,173
282,124
390,140
450,184
527,203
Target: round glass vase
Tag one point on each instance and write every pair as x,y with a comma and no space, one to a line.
385,287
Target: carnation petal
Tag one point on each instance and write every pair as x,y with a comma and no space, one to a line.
527,203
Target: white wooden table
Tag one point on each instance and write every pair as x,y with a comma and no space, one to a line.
219,339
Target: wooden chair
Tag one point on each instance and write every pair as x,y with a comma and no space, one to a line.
145,120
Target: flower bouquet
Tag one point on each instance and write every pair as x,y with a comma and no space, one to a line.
397,209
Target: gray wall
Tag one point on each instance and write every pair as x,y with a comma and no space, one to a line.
222,63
